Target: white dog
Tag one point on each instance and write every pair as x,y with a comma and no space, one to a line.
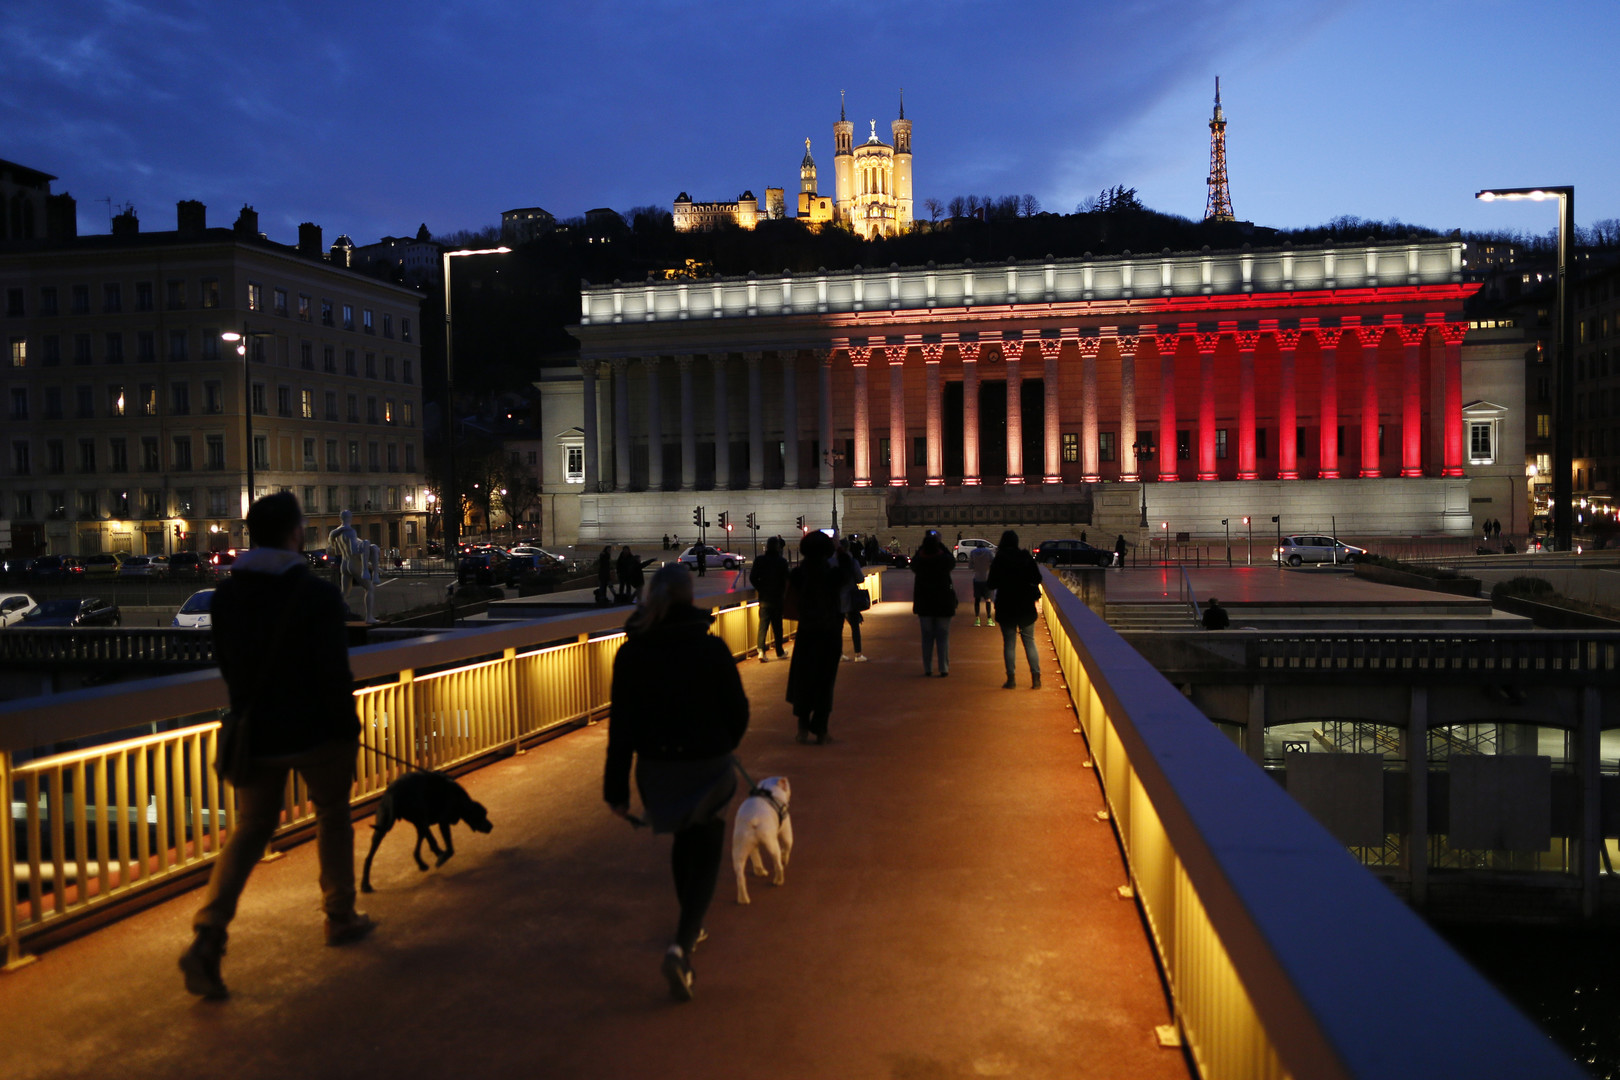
762,824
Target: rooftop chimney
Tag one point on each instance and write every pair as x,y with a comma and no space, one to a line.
247,222
191,217
61,217
309,240
126,223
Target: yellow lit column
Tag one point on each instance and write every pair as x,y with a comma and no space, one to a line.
897,415
969,351
1012,353
932,353
1089,347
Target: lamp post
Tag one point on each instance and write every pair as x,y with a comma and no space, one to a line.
452,506
834,459
1564,403
240,340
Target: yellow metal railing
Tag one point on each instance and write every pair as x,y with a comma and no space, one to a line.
92,826
1283,956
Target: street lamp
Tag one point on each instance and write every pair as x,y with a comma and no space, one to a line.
240,340
1564,403
452,515
834,458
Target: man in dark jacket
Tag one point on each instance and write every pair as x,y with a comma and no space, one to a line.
283,651
1016,581
770,575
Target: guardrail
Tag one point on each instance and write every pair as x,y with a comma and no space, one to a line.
105,823
109,645
1284,957
1592,655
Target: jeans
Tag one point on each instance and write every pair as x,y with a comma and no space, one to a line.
854,620
695,860
1027,631
936,636
328,769
770,615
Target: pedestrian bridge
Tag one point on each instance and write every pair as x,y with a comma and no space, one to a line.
1088,880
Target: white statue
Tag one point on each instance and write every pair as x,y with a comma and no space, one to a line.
344,544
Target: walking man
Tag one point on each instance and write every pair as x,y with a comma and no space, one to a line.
283,651
1119,551
770,584
979,560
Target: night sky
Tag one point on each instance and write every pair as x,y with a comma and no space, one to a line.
372,118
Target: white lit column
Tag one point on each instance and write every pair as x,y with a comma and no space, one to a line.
587,370
1012,352
932,352
655,425
969,351
824,468
722,423
756,422
1247,466
688,426
1090,472
858,356
897,415
621,423
788,358
1129,469
1051,436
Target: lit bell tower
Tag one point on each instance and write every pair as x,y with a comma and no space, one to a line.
902,167
843,164
807,172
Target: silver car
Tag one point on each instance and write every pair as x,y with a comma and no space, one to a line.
1310,548
727,560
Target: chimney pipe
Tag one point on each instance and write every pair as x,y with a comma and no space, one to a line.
309,240
247,222
126,223
191,217
61,217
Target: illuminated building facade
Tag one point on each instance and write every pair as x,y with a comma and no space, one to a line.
873,180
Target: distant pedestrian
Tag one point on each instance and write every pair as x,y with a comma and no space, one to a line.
666,541
1215,616
814,588
770,576
850,600
934,601
1119,551
1082,536
1496,526
628,570
604,575
979,560
873,551
679,711
1016,581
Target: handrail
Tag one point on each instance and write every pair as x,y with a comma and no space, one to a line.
1284,956
1187,593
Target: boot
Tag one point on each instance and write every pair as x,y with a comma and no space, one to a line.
200,964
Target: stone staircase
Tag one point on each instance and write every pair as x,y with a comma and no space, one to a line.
1157,615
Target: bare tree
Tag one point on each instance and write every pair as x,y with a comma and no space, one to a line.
1029,205
934,208
973,205
1087,205
958,207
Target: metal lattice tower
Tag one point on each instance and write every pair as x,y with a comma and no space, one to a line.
1219,207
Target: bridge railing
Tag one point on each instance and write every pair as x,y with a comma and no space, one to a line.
101,824
1284,957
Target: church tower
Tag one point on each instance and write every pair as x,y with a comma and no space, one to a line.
902,166
843,163
807,171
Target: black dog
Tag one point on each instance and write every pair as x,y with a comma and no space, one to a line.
424,799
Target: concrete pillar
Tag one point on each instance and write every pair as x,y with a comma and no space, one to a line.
1453,419
722,422
898,457
1247,464
1090,468
1254,736
1589,752
1412,400
858,357
1168,465
969,351
1417,796
824,467
1051,433
621,424
1287,414
789,359
932,354
688,426
593,468
655,425
1129,468
1329,409
1207,344
756,422
1012,353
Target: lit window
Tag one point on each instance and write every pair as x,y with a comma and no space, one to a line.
19,352
1071,447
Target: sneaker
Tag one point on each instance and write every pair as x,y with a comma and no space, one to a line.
200,964
845,659
860,658
928,674
802,738
678,970
1009,684
992,622
943,673
976,621
356,926
764,659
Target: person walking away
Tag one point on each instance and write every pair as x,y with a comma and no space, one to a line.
979,560
873,551
934,601
638,578
1119,551
679,711
770,577
282,648
666,541
850,566
1215,616
1016,581
814,590
628,568
604,575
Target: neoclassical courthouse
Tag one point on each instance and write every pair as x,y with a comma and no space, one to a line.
1324,385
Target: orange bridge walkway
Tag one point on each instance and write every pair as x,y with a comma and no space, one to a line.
950,911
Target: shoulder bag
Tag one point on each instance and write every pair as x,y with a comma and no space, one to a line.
233,757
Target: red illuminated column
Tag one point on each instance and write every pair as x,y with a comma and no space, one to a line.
1246,342
969,351
1089,347
932,352
1167,407
858,356
897,416
1287,411
1206,406
1329,412
1412,400
1052,439
1128,466
1371,466
1012,352
1454,423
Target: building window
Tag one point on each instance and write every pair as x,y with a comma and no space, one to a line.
329,360
1183,446
354,455
213,398
143,296
353,401
366,322
151,504
393,498
149,454
1260,443
1482,442
149,402
19,352
331,405
47,299
348,362
1220,444
261,451
371,365
179,399
115,348
182,501
374,457
116,405
87,455
19,403
393,457
284,401
371,410
53,350
326,312
218,502
81,348
306,404
1106,441
112,298
255,296
56,504
1071,447
348,316
85,401
388,411
14,303
388,324
574,463
306,356
311,500
120,505
182,453
55,457
405,374
177,346
210,344
214,447
20,463
118,455
309,454
408,414
259,399
281,302
53,403
145,347
89,506
333,462
334,501
176,294
303,307
81,299
410,457
388,368
1543,425
25,505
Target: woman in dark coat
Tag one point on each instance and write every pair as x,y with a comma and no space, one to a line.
814,588
604,575
1016,581
679,710
933,601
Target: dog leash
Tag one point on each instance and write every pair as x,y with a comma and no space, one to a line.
397,760
753,789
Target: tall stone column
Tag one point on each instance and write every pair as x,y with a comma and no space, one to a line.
1207,462
756,422
1287,406
969,351
1090,471
789,360
655,424
593,468
1329,410
824,361
1454,333
1371,338
932,353
898,458
722,422
1129,467
688,426
1051,434
621,423
1412,400
1012,353
858,357
1169,448
1247,465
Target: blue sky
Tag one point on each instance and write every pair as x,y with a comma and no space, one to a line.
370,118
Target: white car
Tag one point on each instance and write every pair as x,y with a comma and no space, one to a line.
727,560
1297,550
197,612
13,606
964,548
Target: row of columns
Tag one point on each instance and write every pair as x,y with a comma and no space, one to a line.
1210,348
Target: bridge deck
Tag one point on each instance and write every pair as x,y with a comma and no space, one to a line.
950,911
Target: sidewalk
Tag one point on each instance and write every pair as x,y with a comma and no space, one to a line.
950,911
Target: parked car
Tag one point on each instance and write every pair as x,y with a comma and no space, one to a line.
14,608
319,559
188,564
86,611
219,562
1072,553
54,568
965,547
146,566
728,560
104,565
1307,548
197,612
486,566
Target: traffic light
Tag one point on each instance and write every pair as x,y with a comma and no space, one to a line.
801,523
725,521
177,532
697,516
753,520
